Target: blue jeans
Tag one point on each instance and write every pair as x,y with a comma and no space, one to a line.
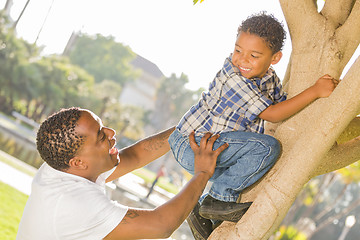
248,157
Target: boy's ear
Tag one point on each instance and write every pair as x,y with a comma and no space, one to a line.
276,57
77,163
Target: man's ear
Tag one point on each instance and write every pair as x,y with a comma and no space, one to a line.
276,57
77,163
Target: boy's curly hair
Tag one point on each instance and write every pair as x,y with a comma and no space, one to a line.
267,27
57,140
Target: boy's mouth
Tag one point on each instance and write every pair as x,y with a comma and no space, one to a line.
244,69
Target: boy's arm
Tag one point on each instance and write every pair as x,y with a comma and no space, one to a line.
323,87
164,220
142,153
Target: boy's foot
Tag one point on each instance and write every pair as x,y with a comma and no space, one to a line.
212,208
200,227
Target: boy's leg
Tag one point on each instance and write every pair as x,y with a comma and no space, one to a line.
200,227
248,157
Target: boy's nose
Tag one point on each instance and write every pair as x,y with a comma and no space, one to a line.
243,59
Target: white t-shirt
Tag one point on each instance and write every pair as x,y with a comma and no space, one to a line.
66,206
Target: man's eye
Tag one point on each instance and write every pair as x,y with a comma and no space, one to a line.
103,137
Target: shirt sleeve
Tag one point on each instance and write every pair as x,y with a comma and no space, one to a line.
276,92
244,97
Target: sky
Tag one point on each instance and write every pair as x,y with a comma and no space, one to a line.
176,35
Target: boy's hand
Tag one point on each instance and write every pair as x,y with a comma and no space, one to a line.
205,156
325,85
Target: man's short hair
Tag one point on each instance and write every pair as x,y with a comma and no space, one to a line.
57,140
267,27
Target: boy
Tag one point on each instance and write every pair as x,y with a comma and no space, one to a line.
244,93
68,198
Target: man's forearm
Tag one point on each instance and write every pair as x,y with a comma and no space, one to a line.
150,148
154,146
175,211
164,220
141,153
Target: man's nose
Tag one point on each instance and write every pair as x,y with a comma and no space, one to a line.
110,132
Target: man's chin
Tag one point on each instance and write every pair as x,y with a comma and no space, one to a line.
117,162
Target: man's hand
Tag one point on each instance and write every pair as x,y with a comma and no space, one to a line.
205,156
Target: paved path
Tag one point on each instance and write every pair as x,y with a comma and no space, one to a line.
14,177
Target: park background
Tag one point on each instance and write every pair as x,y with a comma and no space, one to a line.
139,66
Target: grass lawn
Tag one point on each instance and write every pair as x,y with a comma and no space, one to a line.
12,203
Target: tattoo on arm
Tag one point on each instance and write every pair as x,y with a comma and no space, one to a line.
156,142
129,215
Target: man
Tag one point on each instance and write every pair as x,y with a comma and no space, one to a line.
67,199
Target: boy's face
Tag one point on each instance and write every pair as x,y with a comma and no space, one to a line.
252,56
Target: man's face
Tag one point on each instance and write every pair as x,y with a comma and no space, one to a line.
98,149
252,56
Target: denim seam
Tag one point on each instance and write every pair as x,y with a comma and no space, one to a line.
259,167
178,140
232,198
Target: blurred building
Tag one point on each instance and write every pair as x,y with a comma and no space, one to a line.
142,91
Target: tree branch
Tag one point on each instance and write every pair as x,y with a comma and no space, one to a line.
339,157
305,10
351,131
341,214
330,207
348,35
337,11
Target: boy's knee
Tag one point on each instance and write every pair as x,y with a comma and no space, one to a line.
275,146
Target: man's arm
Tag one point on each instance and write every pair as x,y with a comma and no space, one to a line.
164,220
141,153
323,87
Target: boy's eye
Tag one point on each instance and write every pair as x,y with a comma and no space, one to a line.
254,56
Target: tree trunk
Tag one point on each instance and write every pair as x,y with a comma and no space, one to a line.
322,43
22,12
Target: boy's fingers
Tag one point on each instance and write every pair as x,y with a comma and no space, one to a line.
327,76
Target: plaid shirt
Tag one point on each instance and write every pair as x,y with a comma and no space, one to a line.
233,103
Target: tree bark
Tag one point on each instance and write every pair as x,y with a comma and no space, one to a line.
322,43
